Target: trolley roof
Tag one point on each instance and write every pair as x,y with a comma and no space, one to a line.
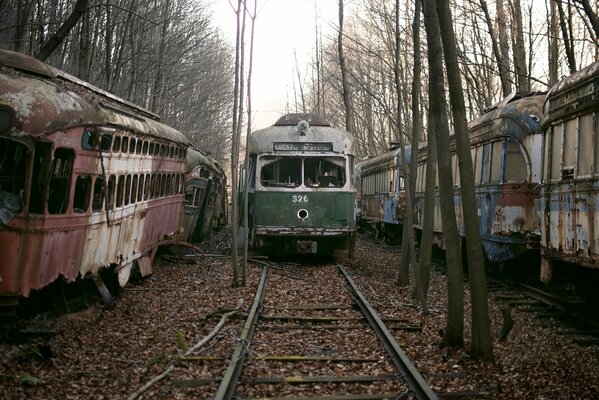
301,133
573,94
391,158
45,99
518,115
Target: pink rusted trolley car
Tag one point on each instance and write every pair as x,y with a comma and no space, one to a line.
87,180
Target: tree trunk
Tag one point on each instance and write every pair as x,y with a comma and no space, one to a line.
481,326
63,31
235,154
504,73
246,183
553,52
454,334
566,35
588,9
522,78
504,47
413,166
403,277
428,210
344,81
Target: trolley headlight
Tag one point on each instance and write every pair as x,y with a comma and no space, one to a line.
5,120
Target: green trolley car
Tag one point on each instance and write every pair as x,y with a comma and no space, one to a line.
301,188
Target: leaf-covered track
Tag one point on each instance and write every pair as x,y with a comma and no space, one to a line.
317,355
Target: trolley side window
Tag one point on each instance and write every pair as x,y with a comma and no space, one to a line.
60,181
13,168
83,186
39,178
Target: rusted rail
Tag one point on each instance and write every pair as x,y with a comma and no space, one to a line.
227,386
410,373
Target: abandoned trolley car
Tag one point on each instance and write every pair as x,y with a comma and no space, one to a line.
302,192
506,148
570,187
87,180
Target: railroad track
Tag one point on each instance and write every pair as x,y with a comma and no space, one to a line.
304,340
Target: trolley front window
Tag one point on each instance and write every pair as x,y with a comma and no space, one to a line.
292,172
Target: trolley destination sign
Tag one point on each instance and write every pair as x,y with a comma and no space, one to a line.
303,146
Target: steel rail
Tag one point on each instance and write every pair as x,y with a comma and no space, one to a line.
419,387
228,384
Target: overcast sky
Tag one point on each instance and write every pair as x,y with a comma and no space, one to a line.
282,26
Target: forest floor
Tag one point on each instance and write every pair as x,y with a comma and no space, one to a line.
110,354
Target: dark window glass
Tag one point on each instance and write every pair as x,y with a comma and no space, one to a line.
127,189
60,181
116,144
125,144
111,191
134,189
98,197
83,186
120,189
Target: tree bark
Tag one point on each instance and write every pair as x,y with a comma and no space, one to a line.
566,36
522,78
454,333
344,81
504,73
553,34
591,14
481,345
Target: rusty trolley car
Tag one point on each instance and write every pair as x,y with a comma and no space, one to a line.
506,147
382,202
302,193
88,181
570,187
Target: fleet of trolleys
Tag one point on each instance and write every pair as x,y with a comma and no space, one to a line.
536,163
89,181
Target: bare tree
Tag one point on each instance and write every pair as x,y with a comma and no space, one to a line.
481,344
246,175
454,333
344,79
55,41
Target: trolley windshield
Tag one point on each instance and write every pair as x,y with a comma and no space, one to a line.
293,171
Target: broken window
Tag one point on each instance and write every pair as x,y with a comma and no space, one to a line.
98,196
127,189
134,189
41,164
281,171
83,186
325,172
120,190
60,181
140,188
116,144
13,170
111,191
